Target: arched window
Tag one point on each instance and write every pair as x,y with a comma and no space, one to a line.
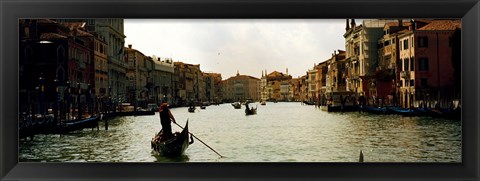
60,55
60,74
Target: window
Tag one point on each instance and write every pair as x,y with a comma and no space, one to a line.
412,42
405,64
399,63
60,55
423,82
412,64
412,83
405,44
393,41
387,42
423,64
423,41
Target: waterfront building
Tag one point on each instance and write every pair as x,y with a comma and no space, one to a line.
295,89
321,83
100,60
213,87
241,88
112,32
336,74
163,80
430,63
362,55
387,75
137,76
276,86
56,67
312,85
191,85
303,88
264,88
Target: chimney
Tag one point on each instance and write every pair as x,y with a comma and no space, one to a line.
353,24
130,46
400,23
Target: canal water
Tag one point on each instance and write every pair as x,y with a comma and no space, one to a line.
280,132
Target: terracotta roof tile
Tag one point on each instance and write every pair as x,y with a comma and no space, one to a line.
441,25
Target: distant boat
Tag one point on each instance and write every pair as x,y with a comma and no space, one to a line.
250,111
308,103
374,110
202,107
191,109
237,105
403,111
263,103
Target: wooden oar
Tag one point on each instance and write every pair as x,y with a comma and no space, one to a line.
201,141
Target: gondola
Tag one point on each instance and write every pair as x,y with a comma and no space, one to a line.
191,109
237,105
375,110
249,111
403,111
444,113
173,147
308,103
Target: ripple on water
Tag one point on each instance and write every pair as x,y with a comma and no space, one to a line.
281,132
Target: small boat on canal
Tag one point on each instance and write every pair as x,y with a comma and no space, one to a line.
237,105
403,111
191,109
263,103
308,103
250,111
375,110
172,147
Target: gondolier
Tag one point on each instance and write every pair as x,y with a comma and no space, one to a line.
165,118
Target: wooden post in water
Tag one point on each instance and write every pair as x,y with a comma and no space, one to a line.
361,156
106,124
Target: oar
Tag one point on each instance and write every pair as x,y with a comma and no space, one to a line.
201,141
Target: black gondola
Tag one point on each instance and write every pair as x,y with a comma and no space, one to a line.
250,111
172,147
403,111
374,110
191,109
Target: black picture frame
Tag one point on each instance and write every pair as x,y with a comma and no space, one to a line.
11,11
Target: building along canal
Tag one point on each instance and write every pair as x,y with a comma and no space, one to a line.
279,132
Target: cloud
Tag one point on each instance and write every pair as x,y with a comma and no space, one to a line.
249,46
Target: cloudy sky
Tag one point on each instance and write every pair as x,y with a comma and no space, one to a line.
249,46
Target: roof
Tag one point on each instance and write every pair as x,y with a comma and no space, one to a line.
442,25
77,28
275,74
51,36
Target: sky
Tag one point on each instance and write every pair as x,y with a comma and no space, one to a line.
248,46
